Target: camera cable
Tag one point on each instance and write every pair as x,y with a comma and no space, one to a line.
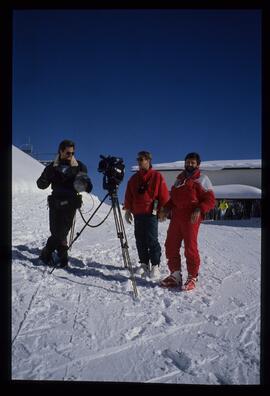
96,225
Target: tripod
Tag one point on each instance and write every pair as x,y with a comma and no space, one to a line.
120,230
121,234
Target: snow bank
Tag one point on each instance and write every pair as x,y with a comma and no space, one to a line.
25,172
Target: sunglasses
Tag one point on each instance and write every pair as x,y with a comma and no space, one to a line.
70,153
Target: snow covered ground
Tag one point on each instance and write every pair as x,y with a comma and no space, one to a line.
83,323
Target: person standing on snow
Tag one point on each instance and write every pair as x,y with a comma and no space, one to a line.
145,195
223,206
191,197
67,177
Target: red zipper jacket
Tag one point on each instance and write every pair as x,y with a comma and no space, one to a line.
191,192
155,189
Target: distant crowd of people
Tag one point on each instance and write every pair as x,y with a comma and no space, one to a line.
235,209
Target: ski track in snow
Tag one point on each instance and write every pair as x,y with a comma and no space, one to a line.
84,324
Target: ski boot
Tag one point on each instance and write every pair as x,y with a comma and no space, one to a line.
46,256
62,253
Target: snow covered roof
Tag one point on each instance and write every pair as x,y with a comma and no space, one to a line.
232,190
237,191
211,165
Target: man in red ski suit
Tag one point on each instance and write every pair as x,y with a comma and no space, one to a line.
191,197
145,195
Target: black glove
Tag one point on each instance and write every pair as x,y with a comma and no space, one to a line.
46,177
49,173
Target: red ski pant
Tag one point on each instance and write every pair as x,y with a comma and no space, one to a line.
183,230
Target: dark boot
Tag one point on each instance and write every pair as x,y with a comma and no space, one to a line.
46,256
62,252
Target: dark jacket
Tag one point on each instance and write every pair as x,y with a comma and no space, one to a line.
61,175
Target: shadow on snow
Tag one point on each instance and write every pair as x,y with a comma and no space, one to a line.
78,268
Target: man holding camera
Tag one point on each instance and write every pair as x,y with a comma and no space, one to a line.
67,177
145,195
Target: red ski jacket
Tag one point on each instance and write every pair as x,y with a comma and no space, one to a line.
142,189
191,192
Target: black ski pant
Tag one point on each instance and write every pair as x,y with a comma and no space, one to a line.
60,224
146,235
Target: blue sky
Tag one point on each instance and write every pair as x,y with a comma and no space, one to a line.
121,81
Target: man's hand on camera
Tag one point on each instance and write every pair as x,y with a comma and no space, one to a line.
128,216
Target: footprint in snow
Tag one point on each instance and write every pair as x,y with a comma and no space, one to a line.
168,319
179,358
237,302
213,319
207,301
22,351
159,291
167,302
239,319
134,333
208,259
160,321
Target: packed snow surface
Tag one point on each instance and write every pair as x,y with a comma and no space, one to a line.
84,323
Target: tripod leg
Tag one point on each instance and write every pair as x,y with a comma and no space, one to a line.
72,230
123,239
118,227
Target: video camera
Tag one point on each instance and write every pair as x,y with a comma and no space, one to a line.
113,169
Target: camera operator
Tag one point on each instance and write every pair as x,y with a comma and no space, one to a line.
67,176
145,195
